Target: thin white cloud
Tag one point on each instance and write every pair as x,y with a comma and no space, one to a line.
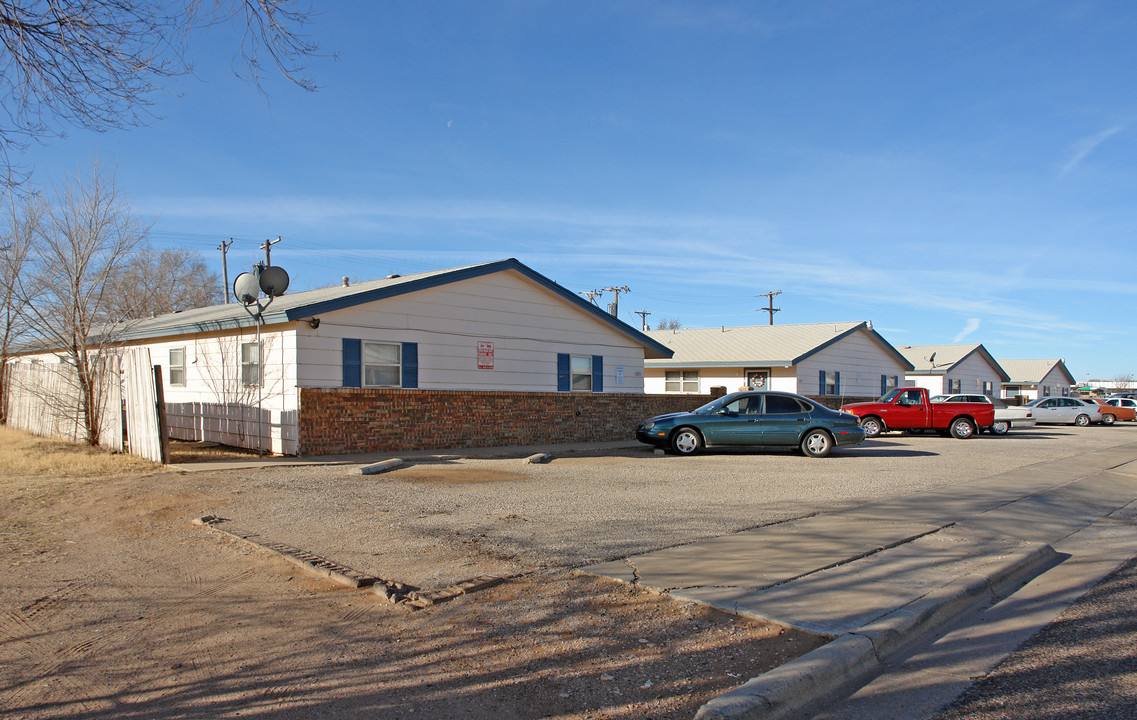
972,326
1084,146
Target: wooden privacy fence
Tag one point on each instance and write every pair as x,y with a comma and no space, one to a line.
43,399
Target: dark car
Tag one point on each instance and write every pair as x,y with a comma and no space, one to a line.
754,419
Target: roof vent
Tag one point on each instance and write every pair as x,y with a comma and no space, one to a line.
393,276
345,281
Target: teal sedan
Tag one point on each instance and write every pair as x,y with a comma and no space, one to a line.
754,419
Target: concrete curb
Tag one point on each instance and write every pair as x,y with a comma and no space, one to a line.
382,467
849,661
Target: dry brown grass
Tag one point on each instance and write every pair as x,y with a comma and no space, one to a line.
22,453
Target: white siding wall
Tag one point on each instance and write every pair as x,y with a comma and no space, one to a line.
973,372
527,325
934,384
1057,382
214,406
860,360
733,379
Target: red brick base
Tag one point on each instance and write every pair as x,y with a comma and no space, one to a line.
351,420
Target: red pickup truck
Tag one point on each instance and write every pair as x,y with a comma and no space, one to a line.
911,409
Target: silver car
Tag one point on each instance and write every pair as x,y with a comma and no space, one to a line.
1064,411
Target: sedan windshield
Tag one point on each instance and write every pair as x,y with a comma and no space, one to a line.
713,405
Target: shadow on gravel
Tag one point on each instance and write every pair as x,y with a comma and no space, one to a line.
1080,666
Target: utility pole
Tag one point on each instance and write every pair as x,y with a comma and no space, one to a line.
643,318
267,247
770,306
591,295
224,248
615,307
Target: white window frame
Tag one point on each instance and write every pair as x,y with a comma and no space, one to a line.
179,366
681,381
397,365
252,370
578,376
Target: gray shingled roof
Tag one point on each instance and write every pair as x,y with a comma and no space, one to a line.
775,345
940,359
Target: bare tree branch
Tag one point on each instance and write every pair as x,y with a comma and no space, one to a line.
95,64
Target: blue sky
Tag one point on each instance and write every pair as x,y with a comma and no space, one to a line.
953,172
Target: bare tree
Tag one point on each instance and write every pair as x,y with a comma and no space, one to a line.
80,247
669,324
1123,383
96,63
164,281
23,220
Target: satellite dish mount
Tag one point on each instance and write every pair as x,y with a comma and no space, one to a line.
273,282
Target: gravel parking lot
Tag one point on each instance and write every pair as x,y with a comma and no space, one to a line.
447,519
117,606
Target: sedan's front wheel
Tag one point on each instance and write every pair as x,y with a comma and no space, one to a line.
686,441
816,443
1108,419
1000,427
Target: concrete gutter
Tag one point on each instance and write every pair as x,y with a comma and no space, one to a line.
818,678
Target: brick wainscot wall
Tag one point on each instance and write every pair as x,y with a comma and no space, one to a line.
351,420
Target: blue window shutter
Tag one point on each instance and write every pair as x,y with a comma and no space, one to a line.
410,365
820,382
883,384
352,364
597,373
564,380
837,383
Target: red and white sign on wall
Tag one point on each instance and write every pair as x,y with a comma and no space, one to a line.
485,355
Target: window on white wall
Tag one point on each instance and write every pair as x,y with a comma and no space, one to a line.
1045,391
830,382
178,366
686,381
251,364
382,364
954,386
580,369
988,388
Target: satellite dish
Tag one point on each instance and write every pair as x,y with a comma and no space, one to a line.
273,281
246,288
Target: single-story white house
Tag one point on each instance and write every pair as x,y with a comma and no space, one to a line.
844,359
954,369
1033,379
497,326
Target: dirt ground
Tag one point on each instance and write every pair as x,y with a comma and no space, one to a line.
115,605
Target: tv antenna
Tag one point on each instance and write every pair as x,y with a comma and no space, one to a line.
273,282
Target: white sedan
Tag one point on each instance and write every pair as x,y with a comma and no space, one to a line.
1006,416
1065,411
